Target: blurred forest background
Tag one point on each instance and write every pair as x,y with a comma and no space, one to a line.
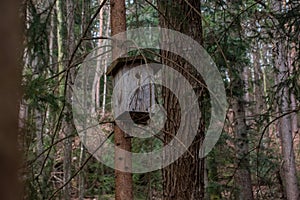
256,47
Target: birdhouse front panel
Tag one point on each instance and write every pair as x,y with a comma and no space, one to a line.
134,92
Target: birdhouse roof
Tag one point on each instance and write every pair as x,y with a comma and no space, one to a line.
125,61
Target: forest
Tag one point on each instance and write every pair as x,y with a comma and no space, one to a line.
150,100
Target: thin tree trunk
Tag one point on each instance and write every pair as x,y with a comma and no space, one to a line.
39,123
97,78
292,69
242,175
124,187
51,39
258,92
288,172
60,44
69,126
237,121
240,98
288,165
105,69
265,63
81,177
39,133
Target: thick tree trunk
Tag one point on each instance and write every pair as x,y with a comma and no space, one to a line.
124,188
183,179
10,93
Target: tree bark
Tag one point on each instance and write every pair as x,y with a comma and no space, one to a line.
105,77
289,171
65,49
258,90
240,98
10,93
242,175
288,165
86,47
68,124
237,121
124,187
183,179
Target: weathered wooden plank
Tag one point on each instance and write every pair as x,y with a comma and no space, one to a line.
135,90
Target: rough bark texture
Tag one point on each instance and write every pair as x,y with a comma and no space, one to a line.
85,16
288,168
258,81
65,49
124,188
288,165
117,20
10,78
240,98
242,176
237,121
293,68
183,179
69,128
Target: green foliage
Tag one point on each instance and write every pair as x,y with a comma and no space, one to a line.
40,94
141,14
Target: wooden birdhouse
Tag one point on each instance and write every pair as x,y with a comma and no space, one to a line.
134,92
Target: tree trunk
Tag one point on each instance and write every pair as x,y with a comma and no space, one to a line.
258,90
183,179
242,175
68,125
293,69
285,123
10,93
124,187
105,77
67,79
240,98
86,46
288,165
237,121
